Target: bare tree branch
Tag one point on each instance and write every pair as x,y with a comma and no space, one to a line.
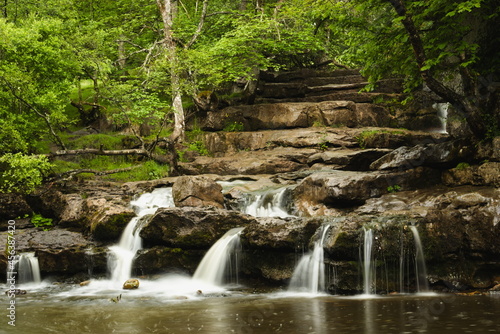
100,151
200,25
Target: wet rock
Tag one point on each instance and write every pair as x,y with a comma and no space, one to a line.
197,191
58,251
106,220
159,259
190,227
279,234
495,289
84,283
131,284
15,292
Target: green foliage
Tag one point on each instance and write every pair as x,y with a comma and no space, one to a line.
462,166
394,188
22,173
234,126
198,146
41,222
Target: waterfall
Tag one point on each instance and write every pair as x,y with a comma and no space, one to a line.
442,114
309,275
223,255
367,262
121,255
28,269
267,204
420,268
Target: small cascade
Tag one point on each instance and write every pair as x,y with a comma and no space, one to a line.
367,262
122,255
89,260
420,268
221,259
28,269
267,204
309,275
442,114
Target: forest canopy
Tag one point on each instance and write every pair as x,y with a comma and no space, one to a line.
66,65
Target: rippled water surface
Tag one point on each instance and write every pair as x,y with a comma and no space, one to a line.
58,309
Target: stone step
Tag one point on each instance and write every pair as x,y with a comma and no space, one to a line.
296,115
290,150
321,81
304,74
220,143
342,95
250,163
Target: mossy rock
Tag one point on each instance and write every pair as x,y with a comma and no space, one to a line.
108,224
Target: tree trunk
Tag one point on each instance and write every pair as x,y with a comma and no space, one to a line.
471,109
167,10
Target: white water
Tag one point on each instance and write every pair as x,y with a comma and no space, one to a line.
267,204
442,113
213,267
367,262
420,268
28,269
309,275
121,256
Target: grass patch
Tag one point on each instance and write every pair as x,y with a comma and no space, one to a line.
106,141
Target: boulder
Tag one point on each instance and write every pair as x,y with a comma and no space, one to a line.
13,207
348,188
483,175
197,191
159,259
432,154
106,220
354,160
131,284
279,234
66,209
190,227
58,251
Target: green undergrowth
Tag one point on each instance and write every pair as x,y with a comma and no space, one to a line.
138,171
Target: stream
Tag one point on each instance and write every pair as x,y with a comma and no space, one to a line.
51,311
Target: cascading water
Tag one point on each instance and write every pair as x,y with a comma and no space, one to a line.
309,275
267,204
28,268
442,113
122,255
367,262
420,268
223,255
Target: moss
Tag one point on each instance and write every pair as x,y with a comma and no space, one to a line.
112,227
